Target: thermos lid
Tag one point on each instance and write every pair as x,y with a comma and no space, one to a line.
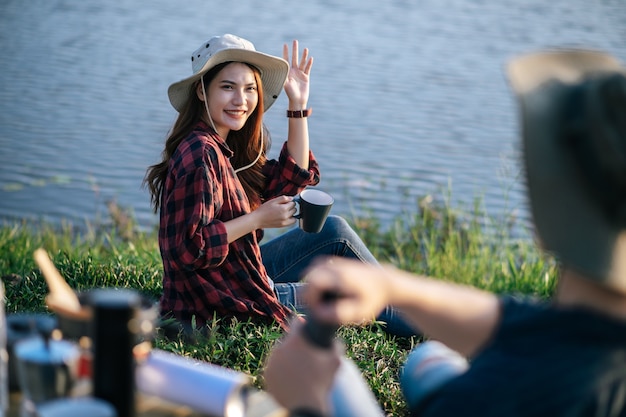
115,299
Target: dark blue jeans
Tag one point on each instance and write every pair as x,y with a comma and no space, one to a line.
287,256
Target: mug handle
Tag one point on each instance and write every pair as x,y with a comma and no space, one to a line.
296,199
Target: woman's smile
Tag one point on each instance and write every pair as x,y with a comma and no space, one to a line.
236,113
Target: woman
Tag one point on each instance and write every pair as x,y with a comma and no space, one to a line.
216,190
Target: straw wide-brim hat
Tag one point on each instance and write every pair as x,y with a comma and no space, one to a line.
231,48
570,220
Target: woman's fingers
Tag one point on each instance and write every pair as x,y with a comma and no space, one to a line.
305,62
294,53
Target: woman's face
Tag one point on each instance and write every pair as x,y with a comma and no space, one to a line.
233,96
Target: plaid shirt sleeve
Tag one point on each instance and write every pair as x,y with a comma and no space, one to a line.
194,238
285,177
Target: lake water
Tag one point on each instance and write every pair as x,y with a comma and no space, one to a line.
409,97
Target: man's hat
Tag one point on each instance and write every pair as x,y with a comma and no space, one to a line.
573,122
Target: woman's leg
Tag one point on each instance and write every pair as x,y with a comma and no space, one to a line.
287,256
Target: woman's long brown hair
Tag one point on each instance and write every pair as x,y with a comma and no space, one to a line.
245,144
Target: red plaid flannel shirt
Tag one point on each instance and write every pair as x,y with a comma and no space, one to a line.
203,274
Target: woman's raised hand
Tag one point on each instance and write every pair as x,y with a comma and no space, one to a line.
297,82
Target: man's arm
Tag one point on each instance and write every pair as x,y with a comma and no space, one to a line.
464,318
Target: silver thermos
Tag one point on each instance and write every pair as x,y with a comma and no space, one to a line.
350,395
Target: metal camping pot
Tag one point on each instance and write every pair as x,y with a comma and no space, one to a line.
20,326
47,368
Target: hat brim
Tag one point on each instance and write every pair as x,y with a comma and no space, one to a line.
569,66
273,71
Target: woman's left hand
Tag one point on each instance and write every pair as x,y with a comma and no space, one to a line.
297,82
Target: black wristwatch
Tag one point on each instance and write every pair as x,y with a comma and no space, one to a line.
305,412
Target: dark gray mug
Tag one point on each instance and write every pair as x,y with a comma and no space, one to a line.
313,208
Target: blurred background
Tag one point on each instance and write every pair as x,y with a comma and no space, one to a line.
409,96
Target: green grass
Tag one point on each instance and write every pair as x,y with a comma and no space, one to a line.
464,247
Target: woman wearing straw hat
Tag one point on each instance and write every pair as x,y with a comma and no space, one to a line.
216,190
565,357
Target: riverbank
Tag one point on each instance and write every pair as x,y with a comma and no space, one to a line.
440,242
